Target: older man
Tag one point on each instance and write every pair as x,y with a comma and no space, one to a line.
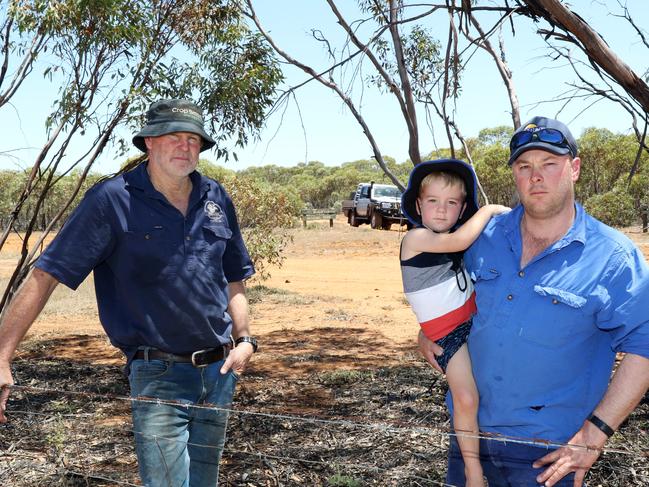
169,264
558,294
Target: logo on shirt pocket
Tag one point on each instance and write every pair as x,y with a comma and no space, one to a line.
213,211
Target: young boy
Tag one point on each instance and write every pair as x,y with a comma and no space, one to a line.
441,202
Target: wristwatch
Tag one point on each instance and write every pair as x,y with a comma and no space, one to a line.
601,425
251,340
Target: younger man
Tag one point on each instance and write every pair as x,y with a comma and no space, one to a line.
441,197
559,294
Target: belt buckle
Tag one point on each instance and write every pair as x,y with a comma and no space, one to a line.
196,355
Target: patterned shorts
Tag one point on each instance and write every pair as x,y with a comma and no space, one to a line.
452,342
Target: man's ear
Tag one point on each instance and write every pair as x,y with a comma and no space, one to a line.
575,164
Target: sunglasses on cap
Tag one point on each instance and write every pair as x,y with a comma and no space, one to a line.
549,136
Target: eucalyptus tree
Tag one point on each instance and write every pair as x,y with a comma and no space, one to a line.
107,60
418,55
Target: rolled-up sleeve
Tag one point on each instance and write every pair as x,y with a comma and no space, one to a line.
625,314
237,264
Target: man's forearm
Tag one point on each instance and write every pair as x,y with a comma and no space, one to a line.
628,386
23,310
238,309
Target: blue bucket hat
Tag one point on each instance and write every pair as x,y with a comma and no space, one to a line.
542,133
167,116
423,169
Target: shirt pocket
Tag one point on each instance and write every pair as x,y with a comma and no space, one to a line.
149,255
485,281
558,317
215,239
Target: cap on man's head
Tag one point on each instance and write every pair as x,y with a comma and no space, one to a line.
167,116
542,133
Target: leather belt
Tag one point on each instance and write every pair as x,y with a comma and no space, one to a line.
201,358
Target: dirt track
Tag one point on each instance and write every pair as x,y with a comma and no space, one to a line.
338,285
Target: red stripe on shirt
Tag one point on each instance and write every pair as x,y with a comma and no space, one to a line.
443,325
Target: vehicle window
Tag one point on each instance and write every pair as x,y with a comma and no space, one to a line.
387,191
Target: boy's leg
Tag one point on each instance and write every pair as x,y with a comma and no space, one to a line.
455,471
465,413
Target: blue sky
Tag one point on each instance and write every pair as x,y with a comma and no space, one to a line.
324,130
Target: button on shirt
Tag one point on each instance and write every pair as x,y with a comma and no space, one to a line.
161,278
544,339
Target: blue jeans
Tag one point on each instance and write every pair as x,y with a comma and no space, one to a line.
179,446
504,464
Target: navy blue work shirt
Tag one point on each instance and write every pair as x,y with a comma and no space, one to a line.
161,278
544,339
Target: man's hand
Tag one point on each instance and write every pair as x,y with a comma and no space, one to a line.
572,459
238,359
6,381
429,349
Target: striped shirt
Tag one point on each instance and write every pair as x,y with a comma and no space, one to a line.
441,295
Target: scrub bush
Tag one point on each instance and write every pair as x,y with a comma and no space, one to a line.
614,208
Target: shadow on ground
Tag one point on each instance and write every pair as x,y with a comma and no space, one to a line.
331,407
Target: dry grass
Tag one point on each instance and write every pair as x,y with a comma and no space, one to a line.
342,421
339,394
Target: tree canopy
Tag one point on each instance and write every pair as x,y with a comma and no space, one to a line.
420,55
110,59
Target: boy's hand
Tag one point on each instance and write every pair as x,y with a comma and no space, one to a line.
429,349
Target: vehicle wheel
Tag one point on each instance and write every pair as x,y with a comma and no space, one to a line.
353,219
387,225
376,221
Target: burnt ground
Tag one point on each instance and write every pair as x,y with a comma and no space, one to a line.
337,395
341,419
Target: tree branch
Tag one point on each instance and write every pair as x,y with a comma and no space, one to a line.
503,69
594,46
331,85
410,111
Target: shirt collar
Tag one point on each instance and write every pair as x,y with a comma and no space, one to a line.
577,232
139,178
512,227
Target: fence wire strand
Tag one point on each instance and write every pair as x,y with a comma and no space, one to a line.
330,426
390,428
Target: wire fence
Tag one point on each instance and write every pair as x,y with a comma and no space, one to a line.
68,437
395,427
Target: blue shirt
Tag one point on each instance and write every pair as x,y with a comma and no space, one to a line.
161,278
544,338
